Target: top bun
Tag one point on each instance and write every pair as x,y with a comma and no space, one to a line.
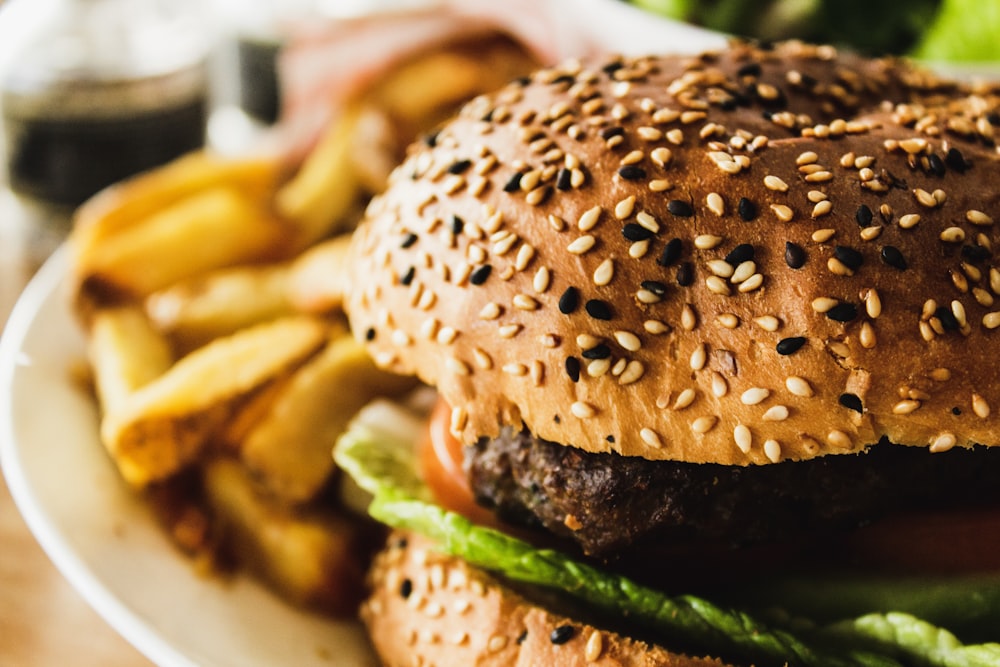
745,257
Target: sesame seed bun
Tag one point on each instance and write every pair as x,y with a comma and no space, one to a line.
431,609
741,258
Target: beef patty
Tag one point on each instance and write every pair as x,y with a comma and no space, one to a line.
607,503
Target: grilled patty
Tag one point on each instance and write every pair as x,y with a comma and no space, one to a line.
607,503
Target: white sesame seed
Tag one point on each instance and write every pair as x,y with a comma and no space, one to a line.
447,335
715,203
751,283
515,369
706,241
661,156
583,410
819,176
798,386
743,438
720,267
992,320
540,282
768,322
824,304
458,367
717,285
685,399
648,221
598,367
728,320
595,646
943,443
401,338
655,327
905,407
581,245
980,407
924,198
703,425
490,311
589,219
754,395
638,249
496,643
909,220
633,371
867,336
429,328
772,182
689,320
525,302
782,212
509,330
953,235
482,358
524,256
776,413
743,271
772,450
978,218
557,223
816,196
628,340
823,235
940,375
699,357
821,208
624,208
651,437
604,273
807,157
839,439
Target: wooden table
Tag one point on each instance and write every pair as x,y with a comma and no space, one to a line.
43,621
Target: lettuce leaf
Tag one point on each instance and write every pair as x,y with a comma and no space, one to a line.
963,30
378,454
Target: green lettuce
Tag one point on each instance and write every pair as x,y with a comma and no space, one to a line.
963,31
377,452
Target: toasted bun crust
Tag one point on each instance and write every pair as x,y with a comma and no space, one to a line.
430,609
599,253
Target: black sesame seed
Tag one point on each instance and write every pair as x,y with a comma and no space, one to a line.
632,172
513,184
431,139
599,351
569,301
957,411
562,634
849,257
564,179
947,318
975,253
935,164
994,118
795,256
599,310
851,402
408,276
459,166
610,438
611,68
408,240
956,161
680,208
843,312
479,276
864,216
685,274
893,257
370,334
457,224
609,132
521,637
573,368
671,252
405,588
636,232
791,345
742,253
562,78
749,69
654,286
747,209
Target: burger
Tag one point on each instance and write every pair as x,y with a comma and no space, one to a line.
714,344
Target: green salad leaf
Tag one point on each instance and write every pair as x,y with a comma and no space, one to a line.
963,31
378,454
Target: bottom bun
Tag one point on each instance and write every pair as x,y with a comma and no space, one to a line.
427,608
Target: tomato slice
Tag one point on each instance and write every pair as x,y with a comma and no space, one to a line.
440,456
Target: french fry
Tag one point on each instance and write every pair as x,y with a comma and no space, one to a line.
125,204
317,198
311,559
318,278
166,424
211,229
125,353
194,311
289,450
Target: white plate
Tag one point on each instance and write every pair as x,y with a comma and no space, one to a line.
105,541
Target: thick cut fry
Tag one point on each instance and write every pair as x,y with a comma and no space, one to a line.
126,203
212,229
316,200
219,303
318,278
311,559
125,353
289,450
165,425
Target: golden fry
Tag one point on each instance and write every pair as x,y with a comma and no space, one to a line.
317,199
318,278
312,559
212,229
289,450
125,353
166,424
219,303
